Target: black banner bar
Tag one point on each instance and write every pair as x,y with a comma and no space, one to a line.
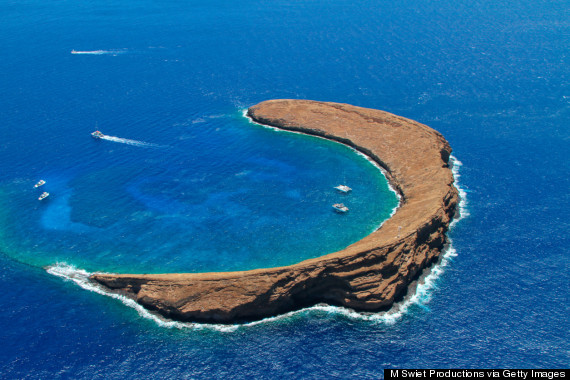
445,374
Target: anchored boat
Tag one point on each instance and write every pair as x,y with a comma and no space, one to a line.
40,183
343,188
44,195
340,207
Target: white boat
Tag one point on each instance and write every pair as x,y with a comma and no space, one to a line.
340,207
44,195
40,183
343,188
97,135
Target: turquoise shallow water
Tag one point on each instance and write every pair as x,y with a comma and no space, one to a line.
174,77
229,195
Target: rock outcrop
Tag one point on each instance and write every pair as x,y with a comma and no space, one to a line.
368,275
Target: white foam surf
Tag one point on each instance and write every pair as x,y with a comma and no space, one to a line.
81,278
463,210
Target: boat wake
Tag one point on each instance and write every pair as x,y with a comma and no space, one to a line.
130,142
98,52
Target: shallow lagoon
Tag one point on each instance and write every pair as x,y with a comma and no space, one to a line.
233,196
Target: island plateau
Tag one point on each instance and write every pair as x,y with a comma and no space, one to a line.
369,275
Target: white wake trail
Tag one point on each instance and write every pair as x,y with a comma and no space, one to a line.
130,142
98,52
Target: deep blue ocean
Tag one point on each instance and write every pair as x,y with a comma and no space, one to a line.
186,183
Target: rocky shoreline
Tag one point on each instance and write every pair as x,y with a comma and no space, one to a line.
369,275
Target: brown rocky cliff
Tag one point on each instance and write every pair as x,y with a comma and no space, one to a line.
367,275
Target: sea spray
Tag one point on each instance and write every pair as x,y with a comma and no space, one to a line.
462,208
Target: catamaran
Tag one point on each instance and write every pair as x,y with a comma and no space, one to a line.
343,188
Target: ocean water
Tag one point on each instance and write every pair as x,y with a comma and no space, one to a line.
226,194
186,183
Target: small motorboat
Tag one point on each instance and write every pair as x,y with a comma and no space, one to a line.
340,207
97,135
40,183
44,195
343,188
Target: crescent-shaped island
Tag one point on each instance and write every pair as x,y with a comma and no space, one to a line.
369,275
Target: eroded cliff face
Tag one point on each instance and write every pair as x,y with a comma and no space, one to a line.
368,275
